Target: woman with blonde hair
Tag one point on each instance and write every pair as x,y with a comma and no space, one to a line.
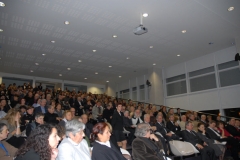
12,121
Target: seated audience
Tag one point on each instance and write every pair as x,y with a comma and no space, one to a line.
191,136
182,122
108,113
7,151
32,126
167,134
28,117
4,106
41,144
74,147
232,129
12,120
173,126
137,117
218,148
58,110
42,108
97,112
147,146
51,117
203,120
191,118
88,127
103,149
22,103
73,111
67,116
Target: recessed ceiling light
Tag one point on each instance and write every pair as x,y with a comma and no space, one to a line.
79,61
94,50
52,41
107,81
178,55
109,66
114,36
67,22
37,64
1,30
85,78
44,54
127,58
60,75
69,69
96,72
184,31
154,64
119,76
31,70
2,4
230,9
151,47
145,15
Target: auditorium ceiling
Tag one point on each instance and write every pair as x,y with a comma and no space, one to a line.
36,41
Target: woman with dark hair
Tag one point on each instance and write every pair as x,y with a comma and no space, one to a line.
102,147
40,145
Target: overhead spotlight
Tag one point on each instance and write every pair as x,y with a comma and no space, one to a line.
2,4
110,66
230,9
60,75
184,31
237,57
67,22
79,60
107,81
52,41
119,76
178,55
31,70
85,78
96,72
94,50
1,30
69,69
127,58
154,64
151,47
148,83
145,15
36,64
44,54
114,36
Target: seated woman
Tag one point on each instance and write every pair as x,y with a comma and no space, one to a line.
12,120
67,116
102,147
51,117
7,151
74,147
41,144
58,110
28,117
146,146
222,130
219,149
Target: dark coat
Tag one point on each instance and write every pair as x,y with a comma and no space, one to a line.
172,127
142,151
102,152
232,130
117,121
39,110
30,155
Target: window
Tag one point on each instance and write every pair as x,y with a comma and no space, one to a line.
142,92
125,94
134,93
229,73
176,85
202,79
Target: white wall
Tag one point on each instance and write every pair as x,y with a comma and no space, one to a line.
218,98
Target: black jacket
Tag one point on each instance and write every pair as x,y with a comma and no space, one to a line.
30,155
117,121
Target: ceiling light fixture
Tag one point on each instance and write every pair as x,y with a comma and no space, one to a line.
67,22
2,4
85,78
44,54
114,36
107,81
184,31
69,69
96,72
154,64
94,50
151,47
37,64
119,76
1,30
60,75
178,55
145,15
127,58
79,61
52,41
230,9
110,66
31,70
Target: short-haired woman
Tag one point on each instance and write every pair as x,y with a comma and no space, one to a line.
40,145
74,147
102,147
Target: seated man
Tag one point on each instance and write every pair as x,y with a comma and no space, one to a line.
173,126
146,146
31,126
189,135
137,117
232,129
127,124
51,117
167,134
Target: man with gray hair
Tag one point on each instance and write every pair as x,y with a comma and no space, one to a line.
147,145
74,147
42,107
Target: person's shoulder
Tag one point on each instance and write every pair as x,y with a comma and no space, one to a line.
31,154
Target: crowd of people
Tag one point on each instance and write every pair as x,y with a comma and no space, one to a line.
55,124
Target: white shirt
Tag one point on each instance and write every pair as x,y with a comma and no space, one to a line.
215,132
